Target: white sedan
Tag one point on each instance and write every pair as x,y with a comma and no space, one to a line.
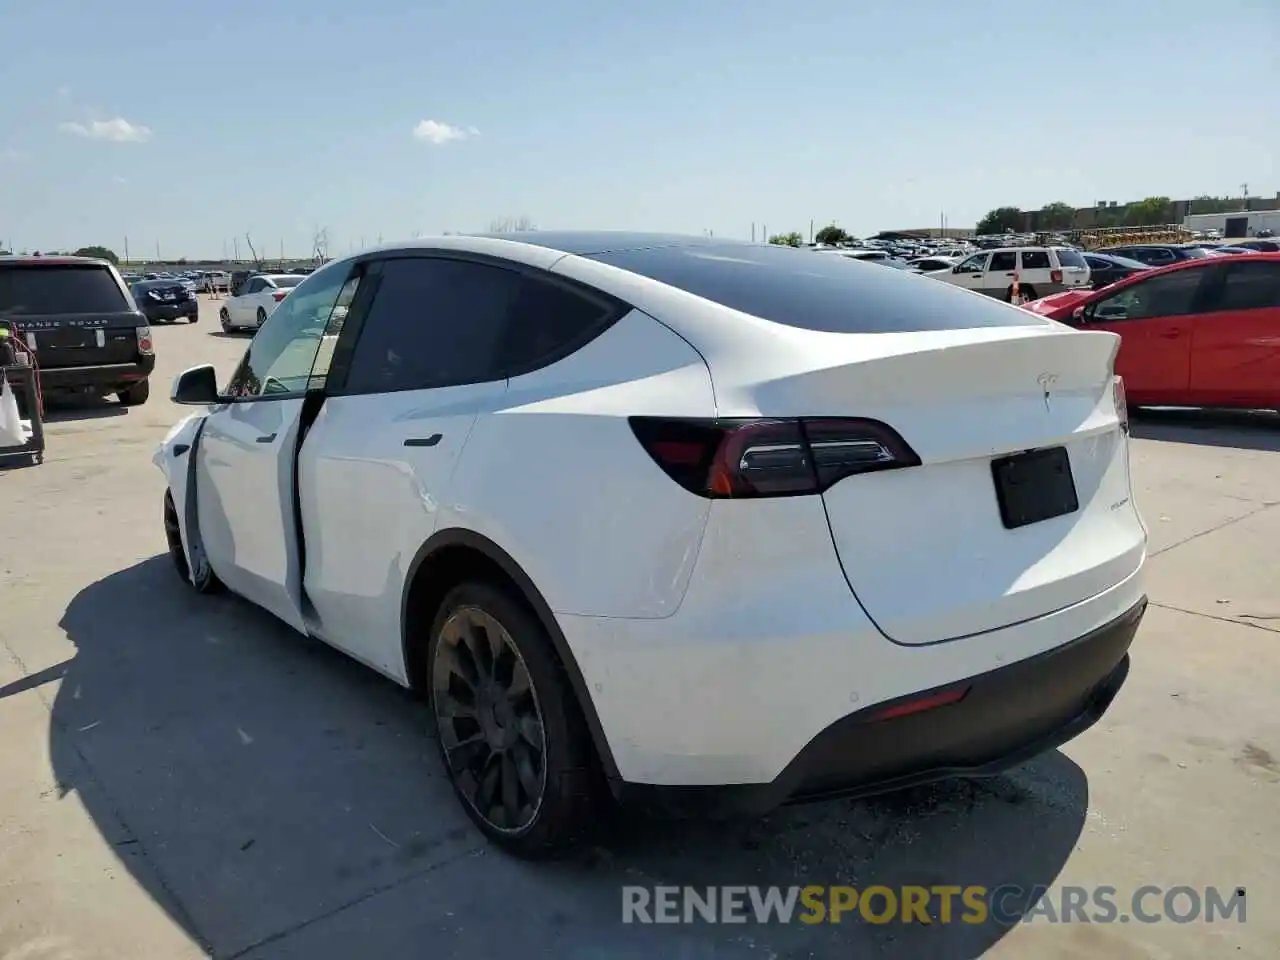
702,524
256,300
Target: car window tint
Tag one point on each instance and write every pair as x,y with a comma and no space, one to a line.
974,264
1251,286
283,352
44,290
1006,260
1070,258
433,322
1035,260
1097,263
547,321
813,291
1168,295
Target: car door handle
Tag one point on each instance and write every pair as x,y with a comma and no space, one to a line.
430,441
266,438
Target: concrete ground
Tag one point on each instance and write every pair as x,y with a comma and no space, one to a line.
182,776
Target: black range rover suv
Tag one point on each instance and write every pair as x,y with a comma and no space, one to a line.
77,316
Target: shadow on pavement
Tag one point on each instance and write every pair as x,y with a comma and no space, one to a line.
281,800
1243,429
232,334
61,410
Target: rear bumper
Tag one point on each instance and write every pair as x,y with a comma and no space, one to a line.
100,378
1006,716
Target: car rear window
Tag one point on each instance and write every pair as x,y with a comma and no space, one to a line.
1070,258
45,290
800,288
1195,253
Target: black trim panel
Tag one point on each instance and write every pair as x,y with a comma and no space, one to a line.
455,537
1007,716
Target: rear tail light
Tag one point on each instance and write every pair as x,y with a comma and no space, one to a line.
145,346
279,295
1055,276
1121,402
769,458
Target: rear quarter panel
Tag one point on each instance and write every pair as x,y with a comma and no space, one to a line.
557,478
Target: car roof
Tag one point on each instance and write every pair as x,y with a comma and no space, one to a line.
1204,263
587,242
26,260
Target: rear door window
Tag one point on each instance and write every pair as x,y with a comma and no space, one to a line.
49,290
1003,260
814,291
1250,286
433,322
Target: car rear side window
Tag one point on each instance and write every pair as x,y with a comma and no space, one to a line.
47,290
549,321
433,322
1005,260
1035,260
1251,286
814,291
1070,258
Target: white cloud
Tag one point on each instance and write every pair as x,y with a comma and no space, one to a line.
439,132
118,130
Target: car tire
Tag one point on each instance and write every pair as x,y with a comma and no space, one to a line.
136,395
512,736
262,316
225,319
208,581
1028,293
193,318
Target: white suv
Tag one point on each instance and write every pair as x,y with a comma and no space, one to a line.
701,524
1040,271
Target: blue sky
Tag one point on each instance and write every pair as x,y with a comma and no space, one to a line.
187,125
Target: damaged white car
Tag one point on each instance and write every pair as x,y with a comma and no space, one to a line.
704,525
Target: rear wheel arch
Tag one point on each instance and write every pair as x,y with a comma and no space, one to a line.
453,556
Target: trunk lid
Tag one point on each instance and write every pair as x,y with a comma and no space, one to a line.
926,549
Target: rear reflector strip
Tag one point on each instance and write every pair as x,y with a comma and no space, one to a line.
930,701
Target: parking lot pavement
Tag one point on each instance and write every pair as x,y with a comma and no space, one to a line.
181,775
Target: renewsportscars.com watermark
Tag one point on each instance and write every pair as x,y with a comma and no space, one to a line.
1005,905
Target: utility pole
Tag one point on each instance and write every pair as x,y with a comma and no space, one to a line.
1244,195
811,232
158,260
282,251
126,249
753,231
236,247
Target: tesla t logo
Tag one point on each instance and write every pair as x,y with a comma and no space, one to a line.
1046,381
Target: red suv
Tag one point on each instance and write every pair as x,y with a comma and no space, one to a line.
1200,333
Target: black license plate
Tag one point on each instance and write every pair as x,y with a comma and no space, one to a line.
1034,486
71,338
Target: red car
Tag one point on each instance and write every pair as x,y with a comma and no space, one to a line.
1200,333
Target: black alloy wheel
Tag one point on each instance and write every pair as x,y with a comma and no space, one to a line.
489,720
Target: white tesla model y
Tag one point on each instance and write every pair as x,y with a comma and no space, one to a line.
706,525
